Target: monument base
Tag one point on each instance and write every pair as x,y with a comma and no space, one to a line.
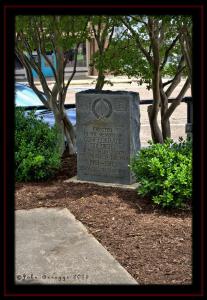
133,186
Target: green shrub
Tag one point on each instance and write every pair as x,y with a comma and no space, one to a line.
164,172
36,151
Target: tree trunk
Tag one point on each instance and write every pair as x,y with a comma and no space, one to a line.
61,133
155,129
69,133
166,131
101,77
165,122
100,81
65,128
153,109
66,133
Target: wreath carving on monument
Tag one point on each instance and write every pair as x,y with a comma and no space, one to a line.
101,108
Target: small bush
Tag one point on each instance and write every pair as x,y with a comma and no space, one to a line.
164,172
36,151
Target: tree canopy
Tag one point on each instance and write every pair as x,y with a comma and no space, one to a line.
149,48
57,34
152,48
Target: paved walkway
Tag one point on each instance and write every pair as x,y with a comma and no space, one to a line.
85,79
52,247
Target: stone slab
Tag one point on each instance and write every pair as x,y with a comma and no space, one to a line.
132,186
108,125
52,247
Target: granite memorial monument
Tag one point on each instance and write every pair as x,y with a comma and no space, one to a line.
108,125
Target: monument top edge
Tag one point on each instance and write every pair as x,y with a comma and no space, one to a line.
93,91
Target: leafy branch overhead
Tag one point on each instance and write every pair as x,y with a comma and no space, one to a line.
149,48
102,29
152,48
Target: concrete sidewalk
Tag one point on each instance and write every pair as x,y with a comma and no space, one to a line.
86,80
52,247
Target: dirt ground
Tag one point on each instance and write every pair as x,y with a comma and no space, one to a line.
152,244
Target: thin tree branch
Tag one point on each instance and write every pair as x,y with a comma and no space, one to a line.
177,77
135,35
37,67
96,37
186,49
162,32
138,19
110,37
168,51
43,49
176,102
26,63
74,69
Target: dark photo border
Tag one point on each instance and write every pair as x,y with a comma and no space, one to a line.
9,11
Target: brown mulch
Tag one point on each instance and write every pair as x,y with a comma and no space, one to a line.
152,244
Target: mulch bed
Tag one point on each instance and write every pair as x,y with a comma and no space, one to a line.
154,245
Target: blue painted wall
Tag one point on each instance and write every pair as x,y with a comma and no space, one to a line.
45,67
